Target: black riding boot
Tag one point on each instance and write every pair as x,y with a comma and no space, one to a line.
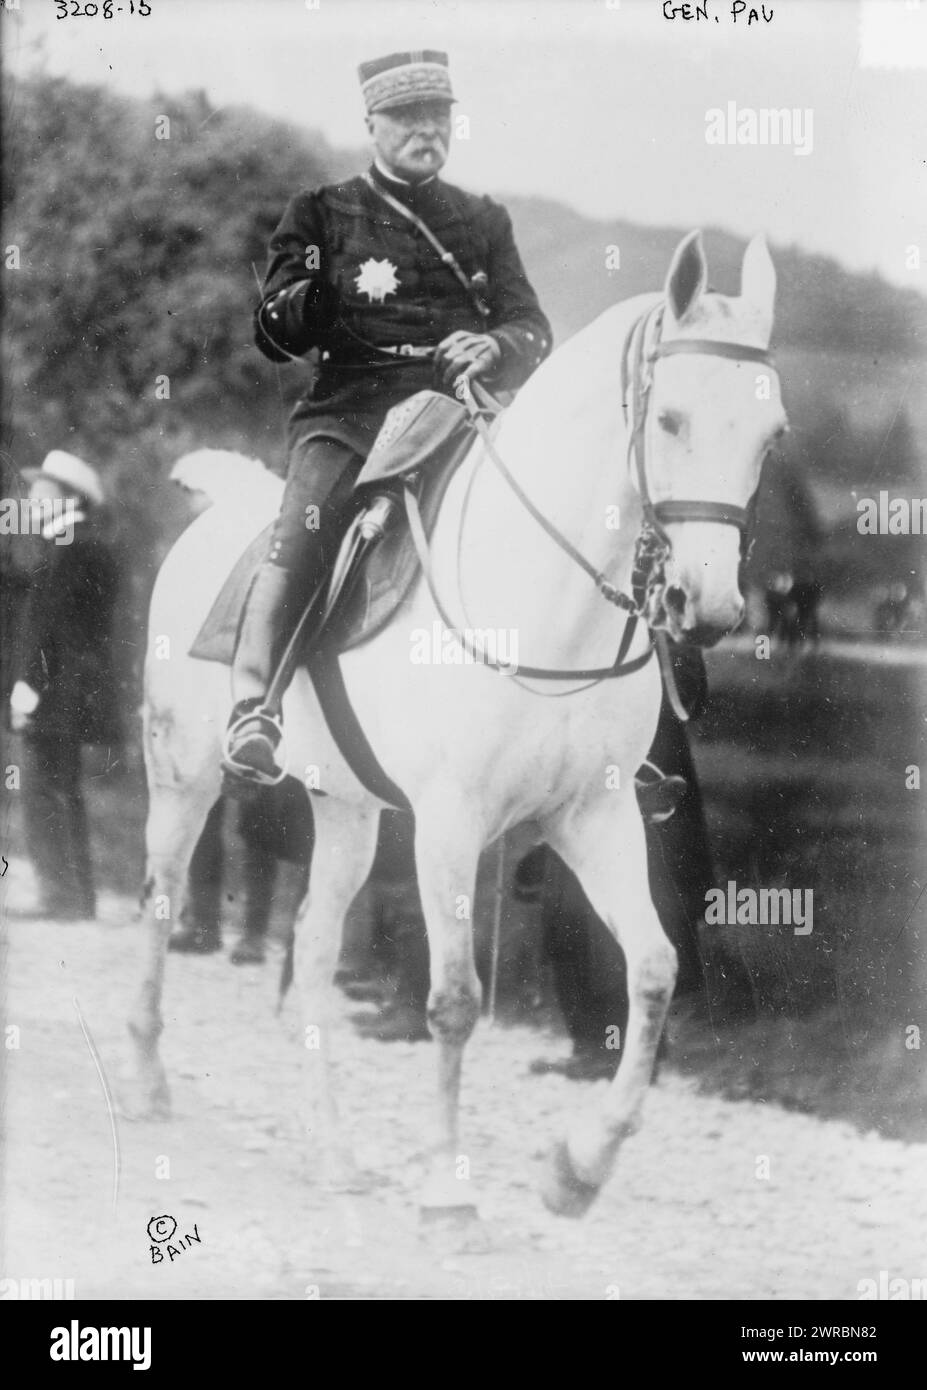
254,736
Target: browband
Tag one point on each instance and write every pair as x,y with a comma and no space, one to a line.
711,348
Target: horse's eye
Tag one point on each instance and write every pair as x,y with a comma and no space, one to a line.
668,420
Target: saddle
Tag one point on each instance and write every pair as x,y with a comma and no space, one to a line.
421,443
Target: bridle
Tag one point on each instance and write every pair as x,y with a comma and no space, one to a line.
643,348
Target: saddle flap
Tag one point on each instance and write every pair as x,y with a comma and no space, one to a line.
414,432
435,431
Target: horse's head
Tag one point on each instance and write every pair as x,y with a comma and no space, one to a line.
710,412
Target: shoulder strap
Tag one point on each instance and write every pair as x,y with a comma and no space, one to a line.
448,257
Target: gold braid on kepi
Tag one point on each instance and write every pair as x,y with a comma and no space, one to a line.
402,78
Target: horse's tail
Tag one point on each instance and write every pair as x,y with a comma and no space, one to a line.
220,474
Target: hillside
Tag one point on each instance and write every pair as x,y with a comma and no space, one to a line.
819,304
139,265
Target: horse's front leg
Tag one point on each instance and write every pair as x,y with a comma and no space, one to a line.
604,845
447,851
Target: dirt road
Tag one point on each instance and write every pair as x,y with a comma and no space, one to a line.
689,1214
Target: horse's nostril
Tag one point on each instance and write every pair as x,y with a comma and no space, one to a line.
675,600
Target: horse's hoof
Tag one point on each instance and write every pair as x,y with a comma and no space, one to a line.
457,1217
359,1182
446,1200
134,1102
564,1192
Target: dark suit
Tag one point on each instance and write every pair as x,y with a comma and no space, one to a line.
66,659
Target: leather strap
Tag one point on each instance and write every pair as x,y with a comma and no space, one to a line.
620,667
346,729
605,588
448,257
668,671
710,347
678,509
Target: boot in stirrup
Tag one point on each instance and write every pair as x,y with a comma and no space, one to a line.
249,750
255,733
658,795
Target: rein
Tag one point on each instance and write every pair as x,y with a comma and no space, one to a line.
642,350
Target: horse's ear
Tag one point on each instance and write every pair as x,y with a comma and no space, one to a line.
758,280
688,276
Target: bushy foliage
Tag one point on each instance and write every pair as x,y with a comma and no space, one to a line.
139,260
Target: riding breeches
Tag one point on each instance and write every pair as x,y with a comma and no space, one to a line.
303,547
320,480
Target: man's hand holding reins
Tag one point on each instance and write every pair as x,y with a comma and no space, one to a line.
469,355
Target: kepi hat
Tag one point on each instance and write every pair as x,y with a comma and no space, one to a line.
70,472
421,74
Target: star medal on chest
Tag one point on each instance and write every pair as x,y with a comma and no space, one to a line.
376,280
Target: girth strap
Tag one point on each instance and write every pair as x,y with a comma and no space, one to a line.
341,717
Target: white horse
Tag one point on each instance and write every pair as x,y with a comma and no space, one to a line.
475,751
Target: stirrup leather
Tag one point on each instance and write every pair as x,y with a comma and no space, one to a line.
271,729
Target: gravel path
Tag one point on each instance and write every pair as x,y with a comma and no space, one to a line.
686,1216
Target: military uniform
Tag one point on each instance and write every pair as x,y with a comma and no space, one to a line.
378,302
355,281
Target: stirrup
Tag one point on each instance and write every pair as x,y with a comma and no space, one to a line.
659,796
243,772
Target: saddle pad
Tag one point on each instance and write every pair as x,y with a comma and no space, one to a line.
381,584
216,639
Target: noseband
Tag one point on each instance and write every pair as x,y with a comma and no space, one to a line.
643,348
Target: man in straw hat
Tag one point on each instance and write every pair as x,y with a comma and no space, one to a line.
399,281
64,694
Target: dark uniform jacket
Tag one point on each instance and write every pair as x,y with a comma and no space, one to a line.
350,277
67,649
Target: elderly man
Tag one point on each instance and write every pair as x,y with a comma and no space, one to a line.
64,695
398,282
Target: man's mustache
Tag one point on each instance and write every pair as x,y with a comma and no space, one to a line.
423,143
